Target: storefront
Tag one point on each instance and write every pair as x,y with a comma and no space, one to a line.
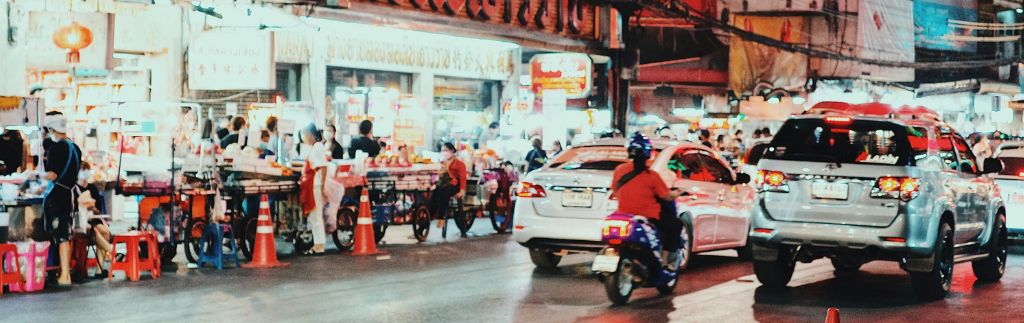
470,70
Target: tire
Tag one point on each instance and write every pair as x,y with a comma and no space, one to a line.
686,248
935,284
421,223
745,253
777,273
845,266
991,269
194,229
168,250
618,286
248,236
501,218
544,259
464,220
344,236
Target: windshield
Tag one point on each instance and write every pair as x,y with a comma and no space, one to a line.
1013,166
843,140
591,157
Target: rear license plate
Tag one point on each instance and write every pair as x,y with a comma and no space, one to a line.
831,191
605,264
577,199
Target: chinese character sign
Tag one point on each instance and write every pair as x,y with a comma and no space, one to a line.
231,60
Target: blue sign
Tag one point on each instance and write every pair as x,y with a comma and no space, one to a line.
931,24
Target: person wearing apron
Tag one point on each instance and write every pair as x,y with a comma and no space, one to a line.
312,186
61,165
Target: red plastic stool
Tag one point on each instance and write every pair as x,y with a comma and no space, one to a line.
133,263
10,278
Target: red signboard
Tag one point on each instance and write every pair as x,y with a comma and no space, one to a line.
658,18
563,71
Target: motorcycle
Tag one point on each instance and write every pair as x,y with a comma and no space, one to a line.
632,258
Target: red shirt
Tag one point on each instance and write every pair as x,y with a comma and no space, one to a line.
641,194
457,170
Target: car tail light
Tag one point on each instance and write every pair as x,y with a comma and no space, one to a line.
763,231
895,187
615,230
772,181
527,189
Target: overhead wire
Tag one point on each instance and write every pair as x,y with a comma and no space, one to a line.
688,12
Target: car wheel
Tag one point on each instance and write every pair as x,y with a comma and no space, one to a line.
544,259
686,247
935,283
991,269
778,272
746,252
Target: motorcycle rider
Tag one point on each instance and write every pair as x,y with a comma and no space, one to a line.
641,191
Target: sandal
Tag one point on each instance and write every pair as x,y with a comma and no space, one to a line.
310,252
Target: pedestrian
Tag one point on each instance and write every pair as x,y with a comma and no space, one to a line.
271,127
312,187
720,143
450,183
365,141
61,165
766,133
756,135
537,157
14,153
556,148
705,138
237,128
331,143
488,135
224,127
97,231
982,148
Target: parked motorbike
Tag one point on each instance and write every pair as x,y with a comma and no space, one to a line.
632,258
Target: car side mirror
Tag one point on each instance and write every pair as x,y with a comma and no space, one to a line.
742,178
992,166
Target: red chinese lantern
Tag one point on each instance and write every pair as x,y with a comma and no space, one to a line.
73,37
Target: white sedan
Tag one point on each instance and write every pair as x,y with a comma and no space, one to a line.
562,206
1011,185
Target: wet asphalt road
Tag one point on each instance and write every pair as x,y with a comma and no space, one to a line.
490,279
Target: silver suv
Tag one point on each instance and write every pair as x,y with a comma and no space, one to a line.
876,187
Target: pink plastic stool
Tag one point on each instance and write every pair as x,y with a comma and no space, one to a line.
33,256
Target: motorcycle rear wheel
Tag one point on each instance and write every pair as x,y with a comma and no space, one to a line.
619,285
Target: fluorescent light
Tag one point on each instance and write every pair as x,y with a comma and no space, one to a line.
799,100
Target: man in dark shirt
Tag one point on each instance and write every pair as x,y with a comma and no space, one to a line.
365,141
537,157
224,131
62,163
12,152
237,126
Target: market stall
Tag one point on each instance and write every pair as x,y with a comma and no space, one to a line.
18,190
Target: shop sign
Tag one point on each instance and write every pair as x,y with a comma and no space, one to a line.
45,55
293,47
231,60
932,24
368,52
18,111
557,16
564,71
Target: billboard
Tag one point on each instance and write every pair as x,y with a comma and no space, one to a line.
231,60
931,24
751,63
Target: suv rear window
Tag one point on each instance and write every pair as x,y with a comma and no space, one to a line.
843,140
591,157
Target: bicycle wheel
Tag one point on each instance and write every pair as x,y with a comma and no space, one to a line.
420,222
248,236
463,219
345,234
193,233
501,217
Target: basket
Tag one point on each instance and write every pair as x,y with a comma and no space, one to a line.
32,257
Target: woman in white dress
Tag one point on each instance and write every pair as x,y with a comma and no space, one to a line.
316,164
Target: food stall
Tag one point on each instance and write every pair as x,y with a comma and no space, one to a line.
17,191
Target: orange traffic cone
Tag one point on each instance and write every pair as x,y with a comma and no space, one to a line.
264,254
832,316
366,245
